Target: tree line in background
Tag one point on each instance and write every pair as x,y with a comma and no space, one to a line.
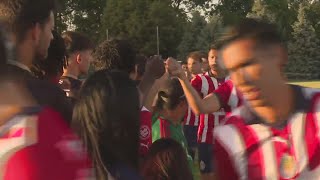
189,25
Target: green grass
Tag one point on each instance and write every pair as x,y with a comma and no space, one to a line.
311,84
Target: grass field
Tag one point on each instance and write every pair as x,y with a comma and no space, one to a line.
312,84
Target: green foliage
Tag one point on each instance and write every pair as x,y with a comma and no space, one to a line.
138,21
304,54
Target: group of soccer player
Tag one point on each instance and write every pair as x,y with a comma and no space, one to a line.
147,118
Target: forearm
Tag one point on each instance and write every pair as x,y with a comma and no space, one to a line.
144,88
193,97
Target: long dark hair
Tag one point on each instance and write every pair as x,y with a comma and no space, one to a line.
166,160
171,96
107,119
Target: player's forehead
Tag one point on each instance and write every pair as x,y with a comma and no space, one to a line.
238,52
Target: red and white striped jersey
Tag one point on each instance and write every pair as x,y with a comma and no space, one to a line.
245,148
208,121
191,119
229,97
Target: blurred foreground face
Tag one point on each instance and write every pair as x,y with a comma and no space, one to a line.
256,72
194,66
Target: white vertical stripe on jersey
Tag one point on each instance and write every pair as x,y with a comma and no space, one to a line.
188,116
205,129
268,153
232,141
205,86
297,132
215,82
217,117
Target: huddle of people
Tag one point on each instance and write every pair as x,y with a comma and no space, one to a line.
139,117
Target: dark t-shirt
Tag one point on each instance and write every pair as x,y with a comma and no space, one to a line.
44,92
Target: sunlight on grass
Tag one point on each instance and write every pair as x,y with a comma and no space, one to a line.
312,84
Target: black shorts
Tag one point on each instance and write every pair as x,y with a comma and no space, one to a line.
191,134
205,158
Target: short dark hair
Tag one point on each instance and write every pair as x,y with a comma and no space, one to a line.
21,15
55,61
76,41
115,54
196,55
3,49
261,32
170,97
166,160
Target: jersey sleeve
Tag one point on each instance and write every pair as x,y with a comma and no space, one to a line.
223,93
223,163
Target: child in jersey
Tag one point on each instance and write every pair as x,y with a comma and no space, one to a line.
170,109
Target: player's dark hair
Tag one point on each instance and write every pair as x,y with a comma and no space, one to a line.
106,117
115,54
196,55
21,15
75,41
166,160
55,61
171,97
140,62
261,32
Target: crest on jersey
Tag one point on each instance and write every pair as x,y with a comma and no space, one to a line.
288,166
145,132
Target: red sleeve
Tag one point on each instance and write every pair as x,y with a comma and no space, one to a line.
223,163
197,84
224,92
57,153
145,132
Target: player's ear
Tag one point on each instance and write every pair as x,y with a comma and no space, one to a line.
78,58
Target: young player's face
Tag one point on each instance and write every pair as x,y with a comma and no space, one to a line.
256,72
212,57
194,66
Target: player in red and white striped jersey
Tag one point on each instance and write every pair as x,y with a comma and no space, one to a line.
191,119
275,135
206,84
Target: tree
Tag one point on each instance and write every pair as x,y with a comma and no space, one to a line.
233,10
209,33
190,37
260,10
304,54
137,20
